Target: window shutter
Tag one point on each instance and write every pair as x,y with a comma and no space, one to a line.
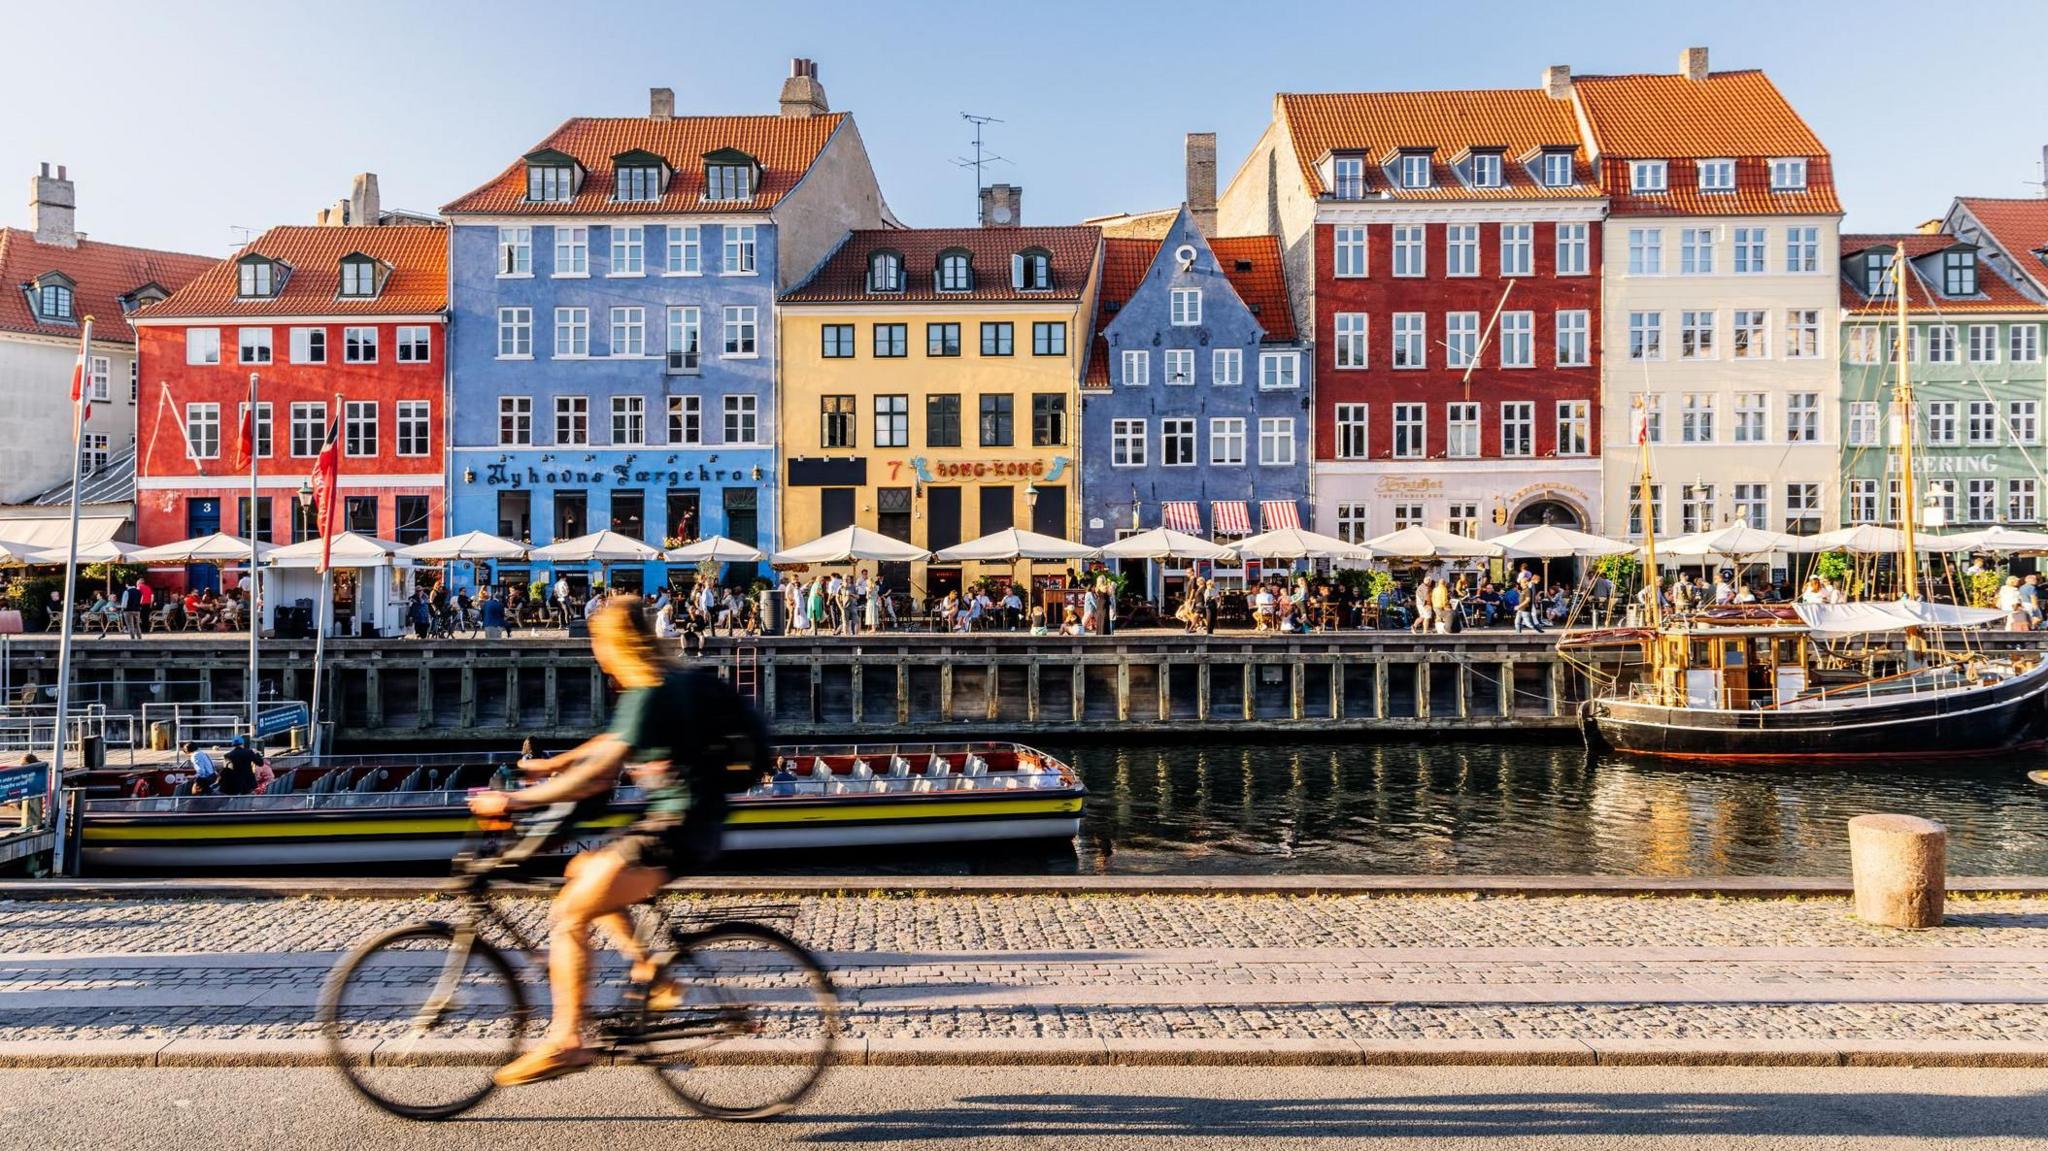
1017,271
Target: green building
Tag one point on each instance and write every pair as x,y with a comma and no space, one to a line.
1979,384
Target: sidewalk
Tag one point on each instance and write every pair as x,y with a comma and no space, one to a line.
1152,978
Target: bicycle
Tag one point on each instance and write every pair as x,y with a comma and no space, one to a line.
751,998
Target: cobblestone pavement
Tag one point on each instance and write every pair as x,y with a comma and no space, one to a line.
1149,967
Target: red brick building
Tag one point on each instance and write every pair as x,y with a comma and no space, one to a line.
1443,396
316,313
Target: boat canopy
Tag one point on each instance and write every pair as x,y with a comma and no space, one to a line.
1892,615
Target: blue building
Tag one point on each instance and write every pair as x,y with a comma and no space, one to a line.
1196,404
612,326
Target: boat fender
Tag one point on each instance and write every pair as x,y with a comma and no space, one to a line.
820,769
141,788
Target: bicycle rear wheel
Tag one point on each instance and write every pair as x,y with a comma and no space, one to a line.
756,1027
418,1018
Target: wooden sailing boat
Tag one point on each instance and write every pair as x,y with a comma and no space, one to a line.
1743,686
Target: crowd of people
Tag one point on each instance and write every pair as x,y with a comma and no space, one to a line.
2020,599
137,607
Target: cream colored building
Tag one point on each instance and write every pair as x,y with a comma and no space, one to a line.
1720,302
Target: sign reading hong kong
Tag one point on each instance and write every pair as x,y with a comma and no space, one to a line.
618,475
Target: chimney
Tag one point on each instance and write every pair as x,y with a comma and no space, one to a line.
1692,63
1557,81
365,206
53,208
1002,206
802,95
661,103
1201,177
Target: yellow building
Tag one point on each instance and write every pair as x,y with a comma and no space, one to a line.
930,390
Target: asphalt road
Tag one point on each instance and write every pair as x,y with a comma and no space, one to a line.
1072,1109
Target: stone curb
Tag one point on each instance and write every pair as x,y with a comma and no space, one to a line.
1738,887
190,1053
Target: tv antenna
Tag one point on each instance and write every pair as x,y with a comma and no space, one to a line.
981,158
242,233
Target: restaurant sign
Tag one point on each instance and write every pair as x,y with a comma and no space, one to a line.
502,475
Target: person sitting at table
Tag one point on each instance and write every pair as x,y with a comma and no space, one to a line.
1072,625
1013,608
1262,605
105,612
949,611
1490,603
1392,612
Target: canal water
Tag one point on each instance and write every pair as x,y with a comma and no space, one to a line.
1485,808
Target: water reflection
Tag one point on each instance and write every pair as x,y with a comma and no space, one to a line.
1476,808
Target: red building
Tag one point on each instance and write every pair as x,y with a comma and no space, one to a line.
316,313
1443,396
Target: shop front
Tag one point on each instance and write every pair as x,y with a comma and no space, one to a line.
1357,501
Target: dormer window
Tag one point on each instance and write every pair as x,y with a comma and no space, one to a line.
1031,270
142,297
955,272
638,177
1486,169
258,278
1646,177
359,276
729,175
1877,272
885,272
550,177
1788,174
1557,169
1349,173
1414,169
1717,175
53,295
1959,273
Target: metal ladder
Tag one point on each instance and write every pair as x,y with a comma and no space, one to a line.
746,672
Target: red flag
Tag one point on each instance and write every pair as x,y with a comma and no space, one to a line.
245,438
325,479
80,406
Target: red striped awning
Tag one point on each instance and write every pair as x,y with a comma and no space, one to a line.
1231,517
1277,514
1184,516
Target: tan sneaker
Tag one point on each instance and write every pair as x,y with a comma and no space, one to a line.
543,1063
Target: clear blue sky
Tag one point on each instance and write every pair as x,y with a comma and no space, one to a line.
183,120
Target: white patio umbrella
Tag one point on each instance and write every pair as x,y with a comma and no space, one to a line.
103,552
1736,542
715,549
1999,540
1013,544
1873,539
1550,542
1429,545
605,547
1297,544
468,546
22,555
849,544
214,549
1166,544
350,550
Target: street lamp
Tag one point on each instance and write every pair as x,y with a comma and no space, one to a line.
1031,495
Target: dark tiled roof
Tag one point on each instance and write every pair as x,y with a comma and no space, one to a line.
102,273
416,284
2019,226
784,147
1994,292
844,277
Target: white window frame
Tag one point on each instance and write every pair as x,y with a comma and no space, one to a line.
1279,371
1646,251
740,332
308,428
1559,169
1408,342
1802,418
1518,429
415,344
515,333
2023,343
686,420
740,250
1182,430
1351,347
1354,431
1276,442
1982,344
252,346
685,255
1749,334
1709,170
1980,423
2023,421
1128,443
1802,334
202,431
629,421
1752,251
572,421
1462,430
1461,249
519,411
572,252
1574,427
359,429
1411,423
1648,177
415,428
1788,174
628,252
1226,441
1861,431
1574,342
1802,249
628,333
1413,169
1178,362
1486,170
1348,252
306,342
1695,251
1184,307
1574,250
1226,367
1864,344
359,345
1410,251
1518,250
515,252
1518,339
1752,421
1646,336
1696,418
572,333
741,414
202,346
1137,368
1461,339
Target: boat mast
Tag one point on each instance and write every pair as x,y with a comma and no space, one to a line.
1903,396
1651,581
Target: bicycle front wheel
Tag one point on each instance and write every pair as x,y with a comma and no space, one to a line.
418,1018
756,1026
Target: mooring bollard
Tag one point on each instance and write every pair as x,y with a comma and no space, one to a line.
1899,864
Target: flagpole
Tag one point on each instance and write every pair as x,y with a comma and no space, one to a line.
320,619
327,470
252,602
53,813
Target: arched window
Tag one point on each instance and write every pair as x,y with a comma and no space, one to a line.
885,272
1031,270
956,271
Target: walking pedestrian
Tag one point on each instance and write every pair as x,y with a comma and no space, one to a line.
132,605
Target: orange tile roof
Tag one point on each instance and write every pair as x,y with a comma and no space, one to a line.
417,284
784,146
844,277
1995,293
1519,120
1262,285
102,273
2019,226
1730,115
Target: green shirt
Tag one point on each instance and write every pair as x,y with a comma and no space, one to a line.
652,720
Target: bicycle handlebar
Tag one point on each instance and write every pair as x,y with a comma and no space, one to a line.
493,850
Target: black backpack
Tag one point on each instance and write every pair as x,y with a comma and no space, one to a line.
735,752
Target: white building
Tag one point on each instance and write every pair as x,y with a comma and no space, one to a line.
51,278
1721,300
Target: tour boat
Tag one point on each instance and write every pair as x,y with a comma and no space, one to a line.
385,810
1764,685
